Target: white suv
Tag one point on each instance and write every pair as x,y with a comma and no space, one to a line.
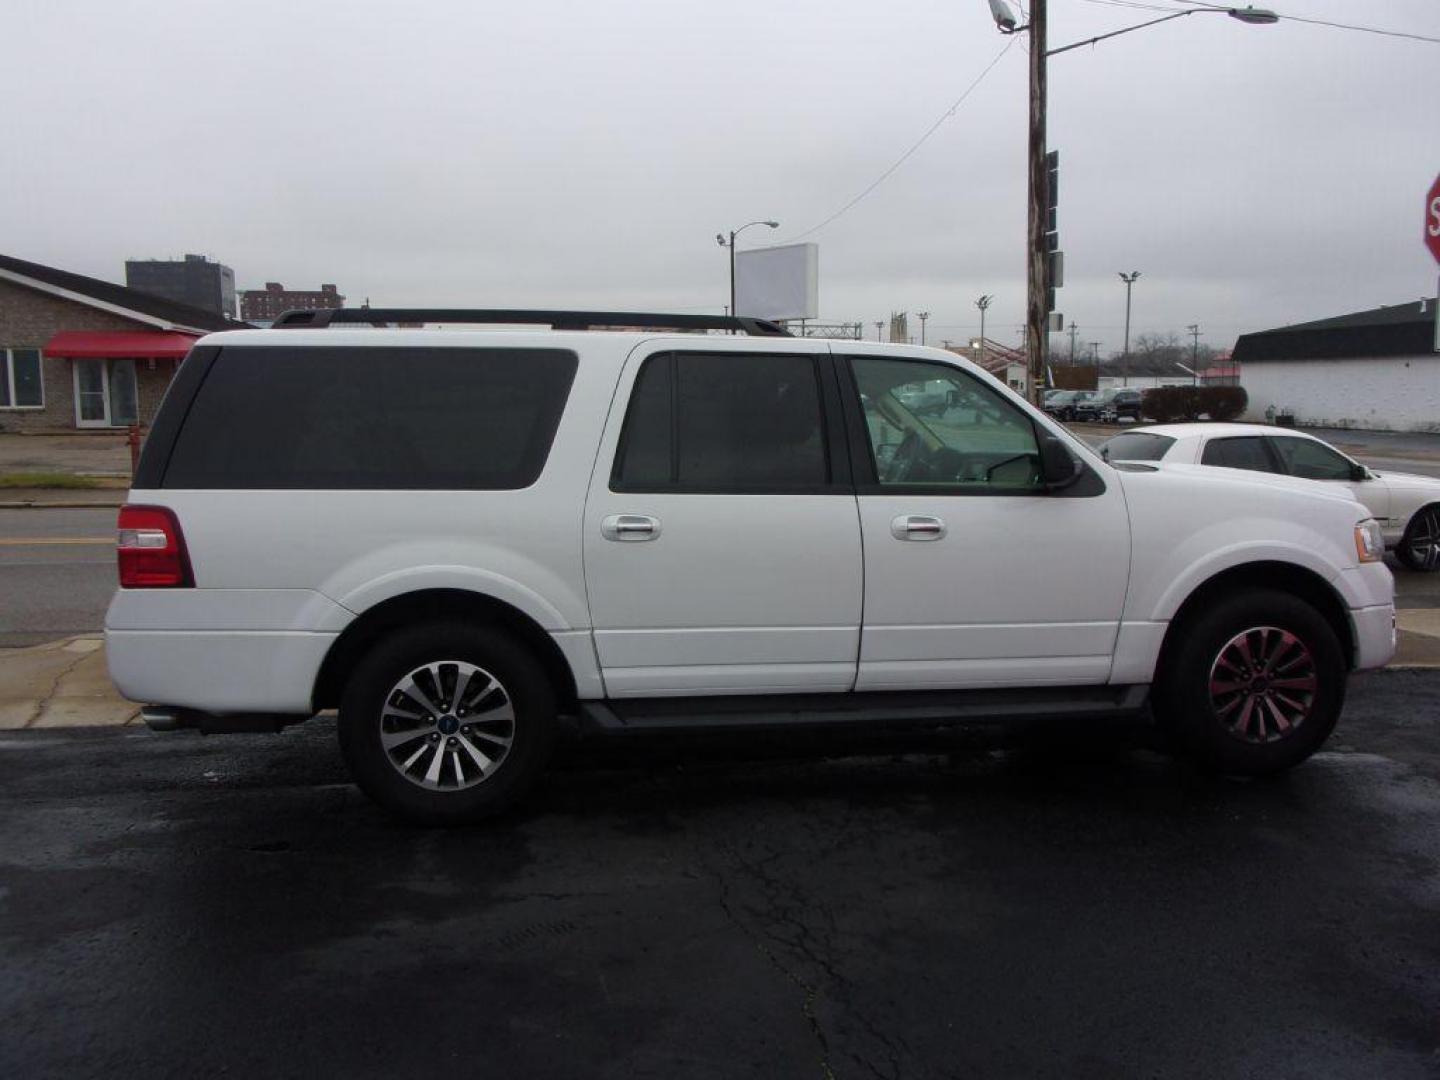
464,538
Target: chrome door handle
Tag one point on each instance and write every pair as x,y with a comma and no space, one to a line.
629,527
917,527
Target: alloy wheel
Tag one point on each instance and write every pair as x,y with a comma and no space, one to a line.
1422,543
1263,684
447,725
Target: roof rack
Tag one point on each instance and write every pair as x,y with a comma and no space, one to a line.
557,320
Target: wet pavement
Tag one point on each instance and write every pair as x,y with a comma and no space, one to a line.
182,906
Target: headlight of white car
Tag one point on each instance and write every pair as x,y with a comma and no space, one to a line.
1369,544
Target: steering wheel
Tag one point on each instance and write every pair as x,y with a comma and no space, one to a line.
904,456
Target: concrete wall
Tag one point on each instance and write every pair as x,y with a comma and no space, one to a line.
1395,393
28,319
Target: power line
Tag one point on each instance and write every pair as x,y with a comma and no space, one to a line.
1292,18
918,142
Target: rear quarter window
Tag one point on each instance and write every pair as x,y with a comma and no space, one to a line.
1136,446
372,418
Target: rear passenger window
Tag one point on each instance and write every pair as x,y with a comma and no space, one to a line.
1238,453
372,418
737,422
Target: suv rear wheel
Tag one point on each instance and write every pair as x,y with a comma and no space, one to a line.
1255,684
447,723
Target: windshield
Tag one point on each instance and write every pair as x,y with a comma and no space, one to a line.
1136,446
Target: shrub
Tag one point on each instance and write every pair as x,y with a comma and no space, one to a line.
1225,402
1171,404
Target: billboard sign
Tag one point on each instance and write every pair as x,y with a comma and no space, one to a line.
778,282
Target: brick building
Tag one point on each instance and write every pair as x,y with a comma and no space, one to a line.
194,281
265,305
80,353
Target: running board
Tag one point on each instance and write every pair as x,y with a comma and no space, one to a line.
908,709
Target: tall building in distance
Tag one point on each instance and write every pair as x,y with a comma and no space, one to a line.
194,280
265,305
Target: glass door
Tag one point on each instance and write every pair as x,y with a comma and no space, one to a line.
91,394
106,394
124,399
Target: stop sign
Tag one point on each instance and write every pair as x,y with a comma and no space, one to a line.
1432,219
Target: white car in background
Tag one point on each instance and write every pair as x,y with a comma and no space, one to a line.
1407,506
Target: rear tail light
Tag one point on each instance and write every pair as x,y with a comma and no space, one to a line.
151,549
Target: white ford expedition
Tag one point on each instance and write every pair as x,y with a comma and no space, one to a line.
465,538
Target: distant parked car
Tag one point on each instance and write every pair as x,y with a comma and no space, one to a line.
1110,405
1062,404
1407,506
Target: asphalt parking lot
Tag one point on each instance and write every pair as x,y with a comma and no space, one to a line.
180,906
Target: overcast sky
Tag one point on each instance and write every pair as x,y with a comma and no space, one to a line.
585,154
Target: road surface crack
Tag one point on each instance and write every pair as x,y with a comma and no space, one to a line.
807,1007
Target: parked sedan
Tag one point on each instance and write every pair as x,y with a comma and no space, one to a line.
1407,506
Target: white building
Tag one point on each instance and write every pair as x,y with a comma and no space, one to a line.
1374,369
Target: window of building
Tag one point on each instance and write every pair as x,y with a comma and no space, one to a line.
1246,452
723,422
22,382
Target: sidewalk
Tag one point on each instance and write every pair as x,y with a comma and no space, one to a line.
64,683
60,684
61,498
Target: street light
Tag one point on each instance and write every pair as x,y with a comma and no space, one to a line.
1037,335
922,316
982,304
720,239
1129,280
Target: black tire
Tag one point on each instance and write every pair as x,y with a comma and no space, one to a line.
1419,548
1203,717
522,690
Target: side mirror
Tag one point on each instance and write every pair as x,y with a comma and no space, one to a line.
1058,467
1358,472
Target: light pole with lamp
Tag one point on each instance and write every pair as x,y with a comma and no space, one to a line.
720,239
982,304
922,316
1129,280
1037,335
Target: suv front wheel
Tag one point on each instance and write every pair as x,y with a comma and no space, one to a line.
447,723
1254,684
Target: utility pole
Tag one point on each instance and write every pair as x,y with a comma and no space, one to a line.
1194,329
1129,280
1073,331
1037,331
982,304
922,316
1095,355
879,325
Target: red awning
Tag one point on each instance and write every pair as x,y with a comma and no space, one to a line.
89,344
